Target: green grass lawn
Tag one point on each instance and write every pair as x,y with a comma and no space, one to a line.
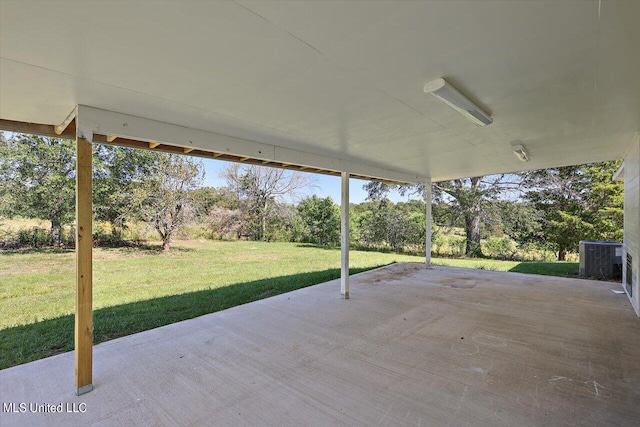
558,268
137,289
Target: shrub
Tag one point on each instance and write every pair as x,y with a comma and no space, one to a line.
500,247
35,237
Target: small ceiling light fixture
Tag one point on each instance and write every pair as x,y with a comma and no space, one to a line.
520,152
454,99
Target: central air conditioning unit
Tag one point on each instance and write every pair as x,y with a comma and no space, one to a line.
600,260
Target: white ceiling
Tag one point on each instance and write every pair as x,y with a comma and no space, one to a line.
342,79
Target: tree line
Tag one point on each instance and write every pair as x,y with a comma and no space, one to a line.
550,209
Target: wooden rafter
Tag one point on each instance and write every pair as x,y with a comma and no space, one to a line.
38,129
153,144
111,138
59,129
188,150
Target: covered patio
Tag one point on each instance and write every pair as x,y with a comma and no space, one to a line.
415,346
356,90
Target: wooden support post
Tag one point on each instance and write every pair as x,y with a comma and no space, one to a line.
344,237
428,224
84,260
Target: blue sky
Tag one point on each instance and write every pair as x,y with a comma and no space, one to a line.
325,185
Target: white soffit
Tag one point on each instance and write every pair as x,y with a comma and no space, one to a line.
93,121
341,79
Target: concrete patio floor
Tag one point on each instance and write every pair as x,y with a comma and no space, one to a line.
414,346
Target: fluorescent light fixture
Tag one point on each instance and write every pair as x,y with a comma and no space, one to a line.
454,99
520,152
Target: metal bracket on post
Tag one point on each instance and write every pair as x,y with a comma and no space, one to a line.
83,130
84,389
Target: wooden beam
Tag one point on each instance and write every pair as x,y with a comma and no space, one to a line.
125,142
113,124
84,268
59,129
37,129
98,121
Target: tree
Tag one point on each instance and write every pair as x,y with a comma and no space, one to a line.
521,221
117,174
559,194
321,219
167,193
37,180
381,222
577,203
468,197
224,222
261,188
605,200
211,198
281,223
220,210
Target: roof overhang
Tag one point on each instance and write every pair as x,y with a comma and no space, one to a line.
107,127
333,85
